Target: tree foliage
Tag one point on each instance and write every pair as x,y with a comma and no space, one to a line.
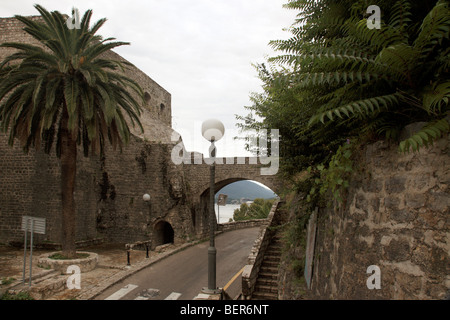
66,73
336,79
258,209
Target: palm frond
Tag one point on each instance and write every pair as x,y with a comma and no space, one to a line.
70,77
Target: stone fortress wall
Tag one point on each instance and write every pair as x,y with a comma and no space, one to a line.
108,190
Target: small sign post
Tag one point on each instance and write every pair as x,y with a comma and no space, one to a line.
32,225
310,244
221,201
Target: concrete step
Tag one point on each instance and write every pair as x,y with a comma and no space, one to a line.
264,296
265,269
273,252
266,288
276,248
268,275
277,237
270,263
277,241
267,281
272,257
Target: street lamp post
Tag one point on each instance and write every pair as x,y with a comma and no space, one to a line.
212,130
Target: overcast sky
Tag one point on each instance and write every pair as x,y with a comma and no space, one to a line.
201,51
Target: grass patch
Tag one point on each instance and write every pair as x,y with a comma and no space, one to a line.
60,256
6,281
19,296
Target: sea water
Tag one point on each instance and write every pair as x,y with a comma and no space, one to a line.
226,212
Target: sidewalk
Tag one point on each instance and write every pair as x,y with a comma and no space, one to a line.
49,285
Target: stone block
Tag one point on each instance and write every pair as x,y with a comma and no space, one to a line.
415,200
395,185
440,201
402,216
397,250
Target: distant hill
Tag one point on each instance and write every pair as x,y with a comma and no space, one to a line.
246,189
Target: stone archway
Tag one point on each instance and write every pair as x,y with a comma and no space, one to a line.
163,233
202,207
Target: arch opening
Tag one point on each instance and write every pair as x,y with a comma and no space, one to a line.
163,233
241,192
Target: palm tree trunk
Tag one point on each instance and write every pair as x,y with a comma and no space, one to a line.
68,173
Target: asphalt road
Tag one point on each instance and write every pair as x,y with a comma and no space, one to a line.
183,275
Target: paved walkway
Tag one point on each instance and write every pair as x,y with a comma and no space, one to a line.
112,267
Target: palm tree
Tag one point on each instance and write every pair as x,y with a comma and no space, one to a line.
65,90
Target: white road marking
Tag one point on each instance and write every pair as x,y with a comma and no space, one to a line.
173,296
122,292
144,295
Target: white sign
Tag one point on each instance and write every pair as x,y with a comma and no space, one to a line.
222,200
32,225
38,224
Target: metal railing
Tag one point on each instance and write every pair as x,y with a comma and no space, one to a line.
129,247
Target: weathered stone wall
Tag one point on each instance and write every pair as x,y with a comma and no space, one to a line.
30,185
236,225
108,194
142,168
397,217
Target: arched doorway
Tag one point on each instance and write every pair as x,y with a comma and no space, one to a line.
163,233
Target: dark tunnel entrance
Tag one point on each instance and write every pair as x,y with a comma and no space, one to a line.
163,233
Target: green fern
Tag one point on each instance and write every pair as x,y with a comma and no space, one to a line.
363,108
434,29
401,16
425,137
436,97
392,61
